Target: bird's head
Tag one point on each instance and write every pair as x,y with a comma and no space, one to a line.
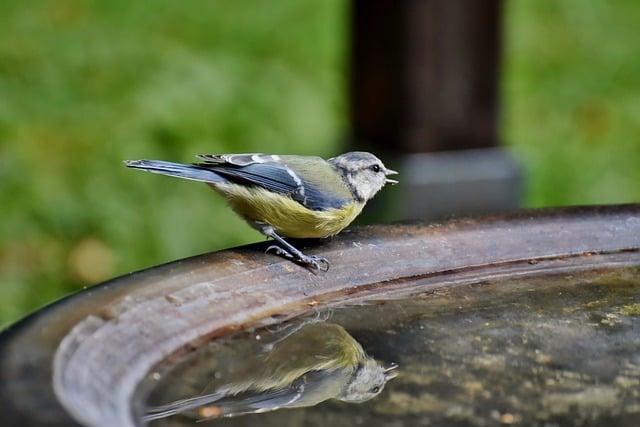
364,173
368,381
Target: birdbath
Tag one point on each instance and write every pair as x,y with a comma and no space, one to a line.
530,318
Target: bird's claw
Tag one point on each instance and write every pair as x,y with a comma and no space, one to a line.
313,262
316,262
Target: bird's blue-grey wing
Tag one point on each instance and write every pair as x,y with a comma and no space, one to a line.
274,173
231,405
269,400
272,176
309,390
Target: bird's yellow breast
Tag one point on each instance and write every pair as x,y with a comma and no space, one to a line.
288,217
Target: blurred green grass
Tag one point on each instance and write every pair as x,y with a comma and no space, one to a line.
571,90
85,84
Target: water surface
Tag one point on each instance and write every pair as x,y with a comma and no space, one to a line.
546,351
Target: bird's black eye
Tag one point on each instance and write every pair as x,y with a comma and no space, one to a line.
375,168
375,390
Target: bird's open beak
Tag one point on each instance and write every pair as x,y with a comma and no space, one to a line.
390,372
391,172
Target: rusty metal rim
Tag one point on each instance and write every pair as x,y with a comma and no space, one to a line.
150,315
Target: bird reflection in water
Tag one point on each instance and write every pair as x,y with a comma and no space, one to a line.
317,362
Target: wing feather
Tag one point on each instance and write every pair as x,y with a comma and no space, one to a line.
272,176
285,175
232,405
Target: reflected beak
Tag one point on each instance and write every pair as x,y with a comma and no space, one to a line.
390,372
391,172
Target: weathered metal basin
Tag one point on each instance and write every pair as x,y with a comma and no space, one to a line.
90,358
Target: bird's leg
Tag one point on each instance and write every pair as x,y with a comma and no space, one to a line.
288,330
287,250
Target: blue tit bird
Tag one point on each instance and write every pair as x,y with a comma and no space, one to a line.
318,362
287,196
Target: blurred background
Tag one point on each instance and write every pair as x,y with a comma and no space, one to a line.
85,84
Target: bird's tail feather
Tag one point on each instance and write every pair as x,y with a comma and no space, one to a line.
178,170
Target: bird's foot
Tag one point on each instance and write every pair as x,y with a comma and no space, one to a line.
313,262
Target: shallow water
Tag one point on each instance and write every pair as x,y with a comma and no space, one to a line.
547,351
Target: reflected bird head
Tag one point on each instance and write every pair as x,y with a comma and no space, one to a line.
368,381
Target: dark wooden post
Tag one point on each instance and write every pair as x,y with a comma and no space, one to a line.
424,78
